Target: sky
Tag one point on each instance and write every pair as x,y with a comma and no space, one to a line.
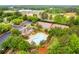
39,2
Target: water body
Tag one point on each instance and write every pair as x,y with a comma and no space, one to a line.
37,38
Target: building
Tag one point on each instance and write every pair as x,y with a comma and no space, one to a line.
50,25
9,11
31,12
27,31
45,25
59,26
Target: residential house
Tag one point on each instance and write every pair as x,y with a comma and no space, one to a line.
50,25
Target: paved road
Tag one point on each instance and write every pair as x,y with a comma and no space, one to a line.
4,36
19,27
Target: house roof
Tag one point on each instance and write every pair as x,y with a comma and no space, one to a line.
45,25
50,25
27,31
42,50
59,26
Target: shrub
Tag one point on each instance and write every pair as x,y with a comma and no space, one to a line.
17,21
23,45
5,27
33,18
74,43
22,52
15,31
60,19
57,32
16,42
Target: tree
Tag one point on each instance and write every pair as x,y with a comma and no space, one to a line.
15,31
74,29
5,44
17,21
74,43
7,14
22,52
55,10
23,45
10,18
1,20
5,27
1,12
54,48
57,32
57,48
66,50
25,17
60,19
64,41
33,18
17,14
50,17
16,42
71,21
44,15
10,42
76,21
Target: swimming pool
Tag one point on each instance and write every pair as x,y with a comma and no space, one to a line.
38,37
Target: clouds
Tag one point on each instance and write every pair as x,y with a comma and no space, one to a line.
39,2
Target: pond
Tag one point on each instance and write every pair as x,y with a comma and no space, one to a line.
38,37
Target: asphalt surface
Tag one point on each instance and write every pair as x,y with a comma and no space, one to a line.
19,27
4,36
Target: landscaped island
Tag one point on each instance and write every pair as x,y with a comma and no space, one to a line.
39,30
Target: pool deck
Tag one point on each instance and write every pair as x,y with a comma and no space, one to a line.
38,37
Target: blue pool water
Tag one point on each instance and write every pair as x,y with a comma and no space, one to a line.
37,38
